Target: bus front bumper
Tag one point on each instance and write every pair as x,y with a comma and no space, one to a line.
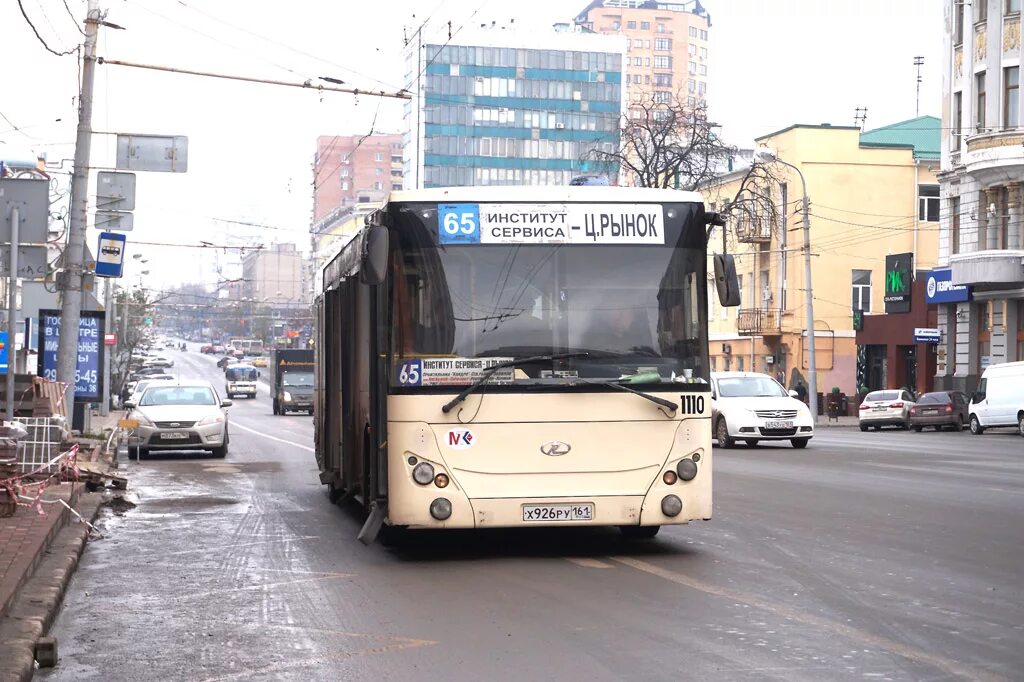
619,510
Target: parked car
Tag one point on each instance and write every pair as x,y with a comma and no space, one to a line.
206,349
145,371
136,388
180,416
886,408
999,400
158,361
940,409
753,407
217,348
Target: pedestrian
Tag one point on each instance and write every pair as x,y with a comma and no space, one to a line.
801,391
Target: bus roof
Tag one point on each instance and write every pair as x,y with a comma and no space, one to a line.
547,194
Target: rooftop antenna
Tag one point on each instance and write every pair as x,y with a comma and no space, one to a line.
860,117
918,62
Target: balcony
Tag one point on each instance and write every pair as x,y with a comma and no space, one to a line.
998,269
754,232
991,156
759,322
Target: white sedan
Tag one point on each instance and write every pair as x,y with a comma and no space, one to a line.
753,407
886,408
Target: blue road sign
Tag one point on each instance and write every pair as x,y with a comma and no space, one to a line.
110,254
3,352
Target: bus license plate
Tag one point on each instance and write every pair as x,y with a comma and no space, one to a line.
558,512
778,425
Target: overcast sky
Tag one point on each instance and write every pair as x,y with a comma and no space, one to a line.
772,63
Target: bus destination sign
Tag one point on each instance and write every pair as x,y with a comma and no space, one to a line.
550,224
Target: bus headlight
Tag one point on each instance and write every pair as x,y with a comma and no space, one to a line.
687,469
441,509
423,473
671,505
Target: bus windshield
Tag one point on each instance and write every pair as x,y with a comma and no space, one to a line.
240,374
634,309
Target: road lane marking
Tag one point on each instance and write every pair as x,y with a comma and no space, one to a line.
588,563
269,437
911,653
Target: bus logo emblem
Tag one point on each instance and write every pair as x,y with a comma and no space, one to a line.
555,448
461,439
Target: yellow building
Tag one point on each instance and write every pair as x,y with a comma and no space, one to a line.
871,194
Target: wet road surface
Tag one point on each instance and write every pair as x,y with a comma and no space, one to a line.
886,555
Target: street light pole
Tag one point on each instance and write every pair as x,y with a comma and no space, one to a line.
812,365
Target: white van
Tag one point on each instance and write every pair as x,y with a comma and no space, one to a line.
999,400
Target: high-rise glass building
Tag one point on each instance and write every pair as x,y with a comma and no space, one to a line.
502,107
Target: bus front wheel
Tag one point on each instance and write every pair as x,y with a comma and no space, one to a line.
639,532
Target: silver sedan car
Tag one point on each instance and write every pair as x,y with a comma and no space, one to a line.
185,415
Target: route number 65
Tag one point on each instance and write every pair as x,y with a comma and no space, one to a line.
460,223
410,373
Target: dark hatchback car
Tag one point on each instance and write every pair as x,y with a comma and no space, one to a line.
940,409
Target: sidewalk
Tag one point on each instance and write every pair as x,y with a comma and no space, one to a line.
844,421
38,554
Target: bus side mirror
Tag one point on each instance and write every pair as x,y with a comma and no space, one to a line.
726,281
375,256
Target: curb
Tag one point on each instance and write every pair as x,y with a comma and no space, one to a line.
33,611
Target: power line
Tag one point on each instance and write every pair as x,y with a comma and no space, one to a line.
73,17
40,38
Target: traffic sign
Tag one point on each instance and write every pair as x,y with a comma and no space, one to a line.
110,339
110,255
115,191
926,335
119,221
162,153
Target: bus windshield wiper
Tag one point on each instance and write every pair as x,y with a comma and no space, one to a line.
668,404
489,372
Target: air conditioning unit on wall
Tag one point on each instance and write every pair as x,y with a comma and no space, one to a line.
726,348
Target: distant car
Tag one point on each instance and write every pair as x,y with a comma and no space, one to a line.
217,348
753,407
886,408
158,362
206,349
259,361
180,416
146,371
227,360
136,388
940,409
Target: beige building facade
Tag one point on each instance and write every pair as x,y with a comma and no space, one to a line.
872,194
667,53
274,276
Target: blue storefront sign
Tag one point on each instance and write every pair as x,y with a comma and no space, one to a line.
3,352
89,375
939,288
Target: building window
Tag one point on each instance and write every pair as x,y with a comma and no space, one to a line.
703,69
693,68
693,49
344,185
702,87
396,187
647,44
958,23
645,26
663,44
662,62
630,25
659,27
647,79
344,171
862,290
647,61
379,156
958,116
662,96
663,79
1011,97
691,85
954,225
691,101
617,25
378,185
703,34
928,203
638,61
981,11
1012,6
979,102
693,31
378,172
703,53
638,43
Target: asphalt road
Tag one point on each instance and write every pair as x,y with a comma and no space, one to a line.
888,555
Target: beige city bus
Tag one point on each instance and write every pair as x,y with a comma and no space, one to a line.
520,356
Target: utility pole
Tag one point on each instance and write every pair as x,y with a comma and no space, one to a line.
108,317
74,256
12,310
812,365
